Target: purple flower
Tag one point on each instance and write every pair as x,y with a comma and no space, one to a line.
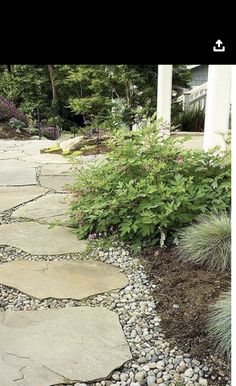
8,110
50,132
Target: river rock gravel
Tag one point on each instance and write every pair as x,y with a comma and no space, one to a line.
154,362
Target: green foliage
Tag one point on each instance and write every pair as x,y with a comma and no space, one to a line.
89,91
33,130
191,120
148,188
219,325
100,87
16,124
28,86
207,243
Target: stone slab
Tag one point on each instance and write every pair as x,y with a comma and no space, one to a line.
14,196
16,163
11,154
56,169
46,159
57,183
13,176
62,279
196,143
39,239
47,209
48,347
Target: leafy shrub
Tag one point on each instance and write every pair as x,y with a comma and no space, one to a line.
191,120
148,188
50,132
219,325
33,130
207,243
8,110
16,124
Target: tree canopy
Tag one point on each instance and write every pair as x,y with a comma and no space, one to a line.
93,92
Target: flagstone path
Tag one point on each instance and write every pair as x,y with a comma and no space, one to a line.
51,346
47,208
61,279
47,347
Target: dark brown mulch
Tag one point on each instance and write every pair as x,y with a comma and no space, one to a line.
183,295
6,132
96,149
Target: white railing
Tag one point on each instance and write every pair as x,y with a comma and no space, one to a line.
194,98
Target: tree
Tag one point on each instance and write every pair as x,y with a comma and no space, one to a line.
91,91
54,91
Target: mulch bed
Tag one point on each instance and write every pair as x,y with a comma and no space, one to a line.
183,295
6,132
96,149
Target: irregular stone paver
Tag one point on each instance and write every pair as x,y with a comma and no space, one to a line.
57,183
46,347
14,196
46,159
196,143
13,176
11,154
47,208
16,163
56,169
61,279
39,239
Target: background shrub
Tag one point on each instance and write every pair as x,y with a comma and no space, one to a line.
207,243
16,124
50,132
8,110
149,188
219,325
191,120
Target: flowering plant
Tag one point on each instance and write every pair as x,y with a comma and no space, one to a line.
8,110
50,132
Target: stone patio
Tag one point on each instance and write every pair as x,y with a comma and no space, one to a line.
48,347
62,279
13,176
39,239
59,345
47,209
57,183
14,196
56,169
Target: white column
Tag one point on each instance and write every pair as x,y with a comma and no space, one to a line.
164,92
217,106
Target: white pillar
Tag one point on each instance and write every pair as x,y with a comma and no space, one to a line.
217,106
164,92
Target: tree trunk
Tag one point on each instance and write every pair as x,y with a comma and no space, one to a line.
10,67
128,94
54,91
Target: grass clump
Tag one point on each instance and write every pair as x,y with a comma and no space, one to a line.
219,325
207,243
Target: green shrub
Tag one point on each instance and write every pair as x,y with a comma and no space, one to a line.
191,120
33,130
148,188
219,325
16,124
207,243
